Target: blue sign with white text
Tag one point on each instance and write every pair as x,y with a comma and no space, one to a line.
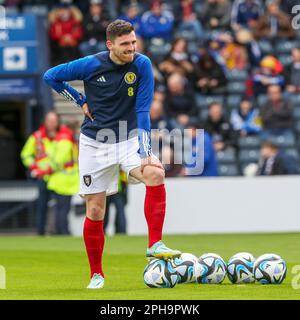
19,45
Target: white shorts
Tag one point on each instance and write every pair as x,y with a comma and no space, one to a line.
99,164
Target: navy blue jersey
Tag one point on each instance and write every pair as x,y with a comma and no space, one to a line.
113,93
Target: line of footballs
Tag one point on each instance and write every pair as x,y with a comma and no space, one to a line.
210,268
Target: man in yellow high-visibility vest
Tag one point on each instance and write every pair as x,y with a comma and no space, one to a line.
50,154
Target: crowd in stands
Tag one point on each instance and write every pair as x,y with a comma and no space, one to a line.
230,67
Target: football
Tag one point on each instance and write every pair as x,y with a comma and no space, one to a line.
214,269
240,268
187,268
160,274
270,269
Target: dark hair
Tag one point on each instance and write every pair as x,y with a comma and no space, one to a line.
118,28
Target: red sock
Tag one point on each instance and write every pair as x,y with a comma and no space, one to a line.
93,235
155,209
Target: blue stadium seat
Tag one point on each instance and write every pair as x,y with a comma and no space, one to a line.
292,152
265,46
249,142
284,141
297,127
228,170
285,59
203,114
261,100
233,101
236,87
237,75
159,50
285,47
296,113
226,156
249,156
295,98
192,47
204,101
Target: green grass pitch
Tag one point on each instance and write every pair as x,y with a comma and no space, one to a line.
57,268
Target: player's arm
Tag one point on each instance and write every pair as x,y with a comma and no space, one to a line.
79,69
143,103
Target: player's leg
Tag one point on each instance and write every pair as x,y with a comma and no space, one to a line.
94,239
155,210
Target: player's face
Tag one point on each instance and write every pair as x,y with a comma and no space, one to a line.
123,48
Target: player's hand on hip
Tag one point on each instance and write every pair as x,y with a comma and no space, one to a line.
151,161
86,112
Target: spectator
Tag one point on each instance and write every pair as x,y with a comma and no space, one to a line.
160,125
168,159
119,200
246,119
270,72
276,114
208,167
186,19
292,73
210,76
275,162
94,25
36,156
132,15
65,32
245,14
178,60
219,128
157,23
180,103
274,23
216,14
234,54
64,180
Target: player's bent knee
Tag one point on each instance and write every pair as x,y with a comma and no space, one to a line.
154,176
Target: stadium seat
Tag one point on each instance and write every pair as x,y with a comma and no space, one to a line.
249,142
285,47
261,100
203,114
192,47
295,98
249,156
233,101
237,75
296,113
159,50
265,46
285,59
236,87
204,101
228,170
297,127
293,152
226,156
284,141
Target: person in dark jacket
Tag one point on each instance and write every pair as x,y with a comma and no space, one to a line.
94,25
210,75
292,73
219,128
275,162
180,103
276,114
